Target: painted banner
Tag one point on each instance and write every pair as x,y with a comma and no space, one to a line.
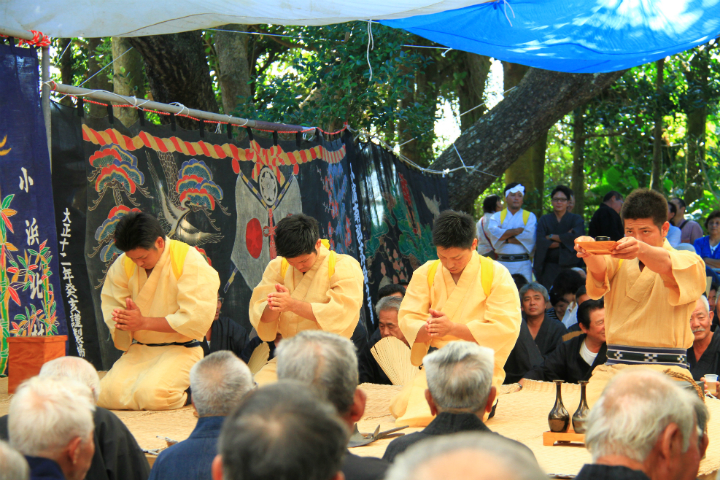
29,274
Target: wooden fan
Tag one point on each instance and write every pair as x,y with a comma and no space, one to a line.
259,358
393,356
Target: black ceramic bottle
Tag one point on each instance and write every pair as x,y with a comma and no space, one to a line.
580,416
559,418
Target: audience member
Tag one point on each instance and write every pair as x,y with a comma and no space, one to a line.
391,289
512,232
255,342
691,230
560,304
466,456
567,282
606,221
520,280
704,355
706,246
387,313
674,235
327,362
556,234
281,431
645,426
459,393
224,334
218,382
571,202
575,359
546,331
117,454
570,320
14,466
51,423
491,204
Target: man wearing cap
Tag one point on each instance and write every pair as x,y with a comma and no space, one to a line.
512,233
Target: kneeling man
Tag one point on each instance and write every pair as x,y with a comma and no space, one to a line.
158,301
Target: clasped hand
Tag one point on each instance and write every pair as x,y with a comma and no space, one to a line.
438,325
129,319
280,300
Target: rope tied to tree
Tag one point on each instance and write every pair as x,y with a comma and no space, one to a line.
371,41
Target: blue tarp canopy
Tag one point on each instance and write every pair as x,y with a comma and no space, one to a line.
576,36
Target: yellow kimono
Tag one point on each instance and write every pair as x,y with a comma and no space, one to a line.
333,287
494,321
182,288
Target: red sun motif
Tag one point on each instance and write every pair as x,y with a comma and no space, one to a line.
254,238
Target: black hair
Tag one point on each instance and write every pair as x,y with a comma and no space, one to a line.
454,230
567,281
520,280
580,292
562,188
556,297
137,230
673,208
490,204
645,203
282,430
587,307
610,195
296,235
680,201
389,289
715,214
511,185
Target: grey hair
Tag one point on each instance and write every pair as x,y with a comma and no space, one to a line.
702,414
633,411
388,303
486,448
74,368
218,382
46,414
535,287
459,376
325,361
14,465
705,302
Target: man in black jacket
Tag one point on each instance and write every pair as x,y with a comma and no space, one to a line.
704,355
224,334
606,220
460,391
575,359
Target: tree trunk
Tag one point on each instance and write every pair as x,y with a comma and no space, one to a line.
66,67
697,78
525,169
409,149
578,170
128,77
472,92
495,141
233,67
177,71
657,162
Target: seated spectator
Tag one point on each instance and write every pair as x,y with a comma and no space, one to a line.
570,319
224,334
459,392
387,313
690,229
575,359
117,454
674,234
281,431
51,423
218,383
606,221
14,465
645,426
704,356
546,331
563,291
327,362
560,304
491,204
706,246
391,289
466,456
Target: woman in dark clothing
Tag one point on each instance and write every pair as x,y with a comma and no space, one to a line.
556,234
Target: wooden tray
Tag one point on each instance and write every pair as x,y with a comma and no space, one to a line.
563,439
598,248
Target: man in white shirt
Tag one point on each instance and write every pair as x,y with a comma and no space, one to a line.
512,232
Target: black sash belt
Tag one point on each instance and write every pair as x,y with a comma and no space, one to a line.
646,355
513,258
190,344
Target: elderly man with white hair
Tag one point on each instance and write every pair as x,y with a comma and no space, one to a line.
14,465
328,363
466,456
117,454
218,383
459,393
51,423
645,426
704,355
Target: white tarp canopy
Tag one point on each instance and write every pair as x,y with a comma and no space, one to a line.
133,18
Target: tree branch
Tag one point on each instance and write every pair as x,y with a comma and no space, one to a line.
285,43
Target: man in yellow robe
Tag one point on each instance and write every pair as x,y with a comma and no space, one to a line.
158,300
307,287
461,296
650,291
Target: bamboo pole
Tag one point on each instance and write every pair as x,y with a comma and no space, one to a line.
104,96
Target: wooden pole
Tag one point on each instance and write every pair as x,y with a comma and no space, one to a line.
103,96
